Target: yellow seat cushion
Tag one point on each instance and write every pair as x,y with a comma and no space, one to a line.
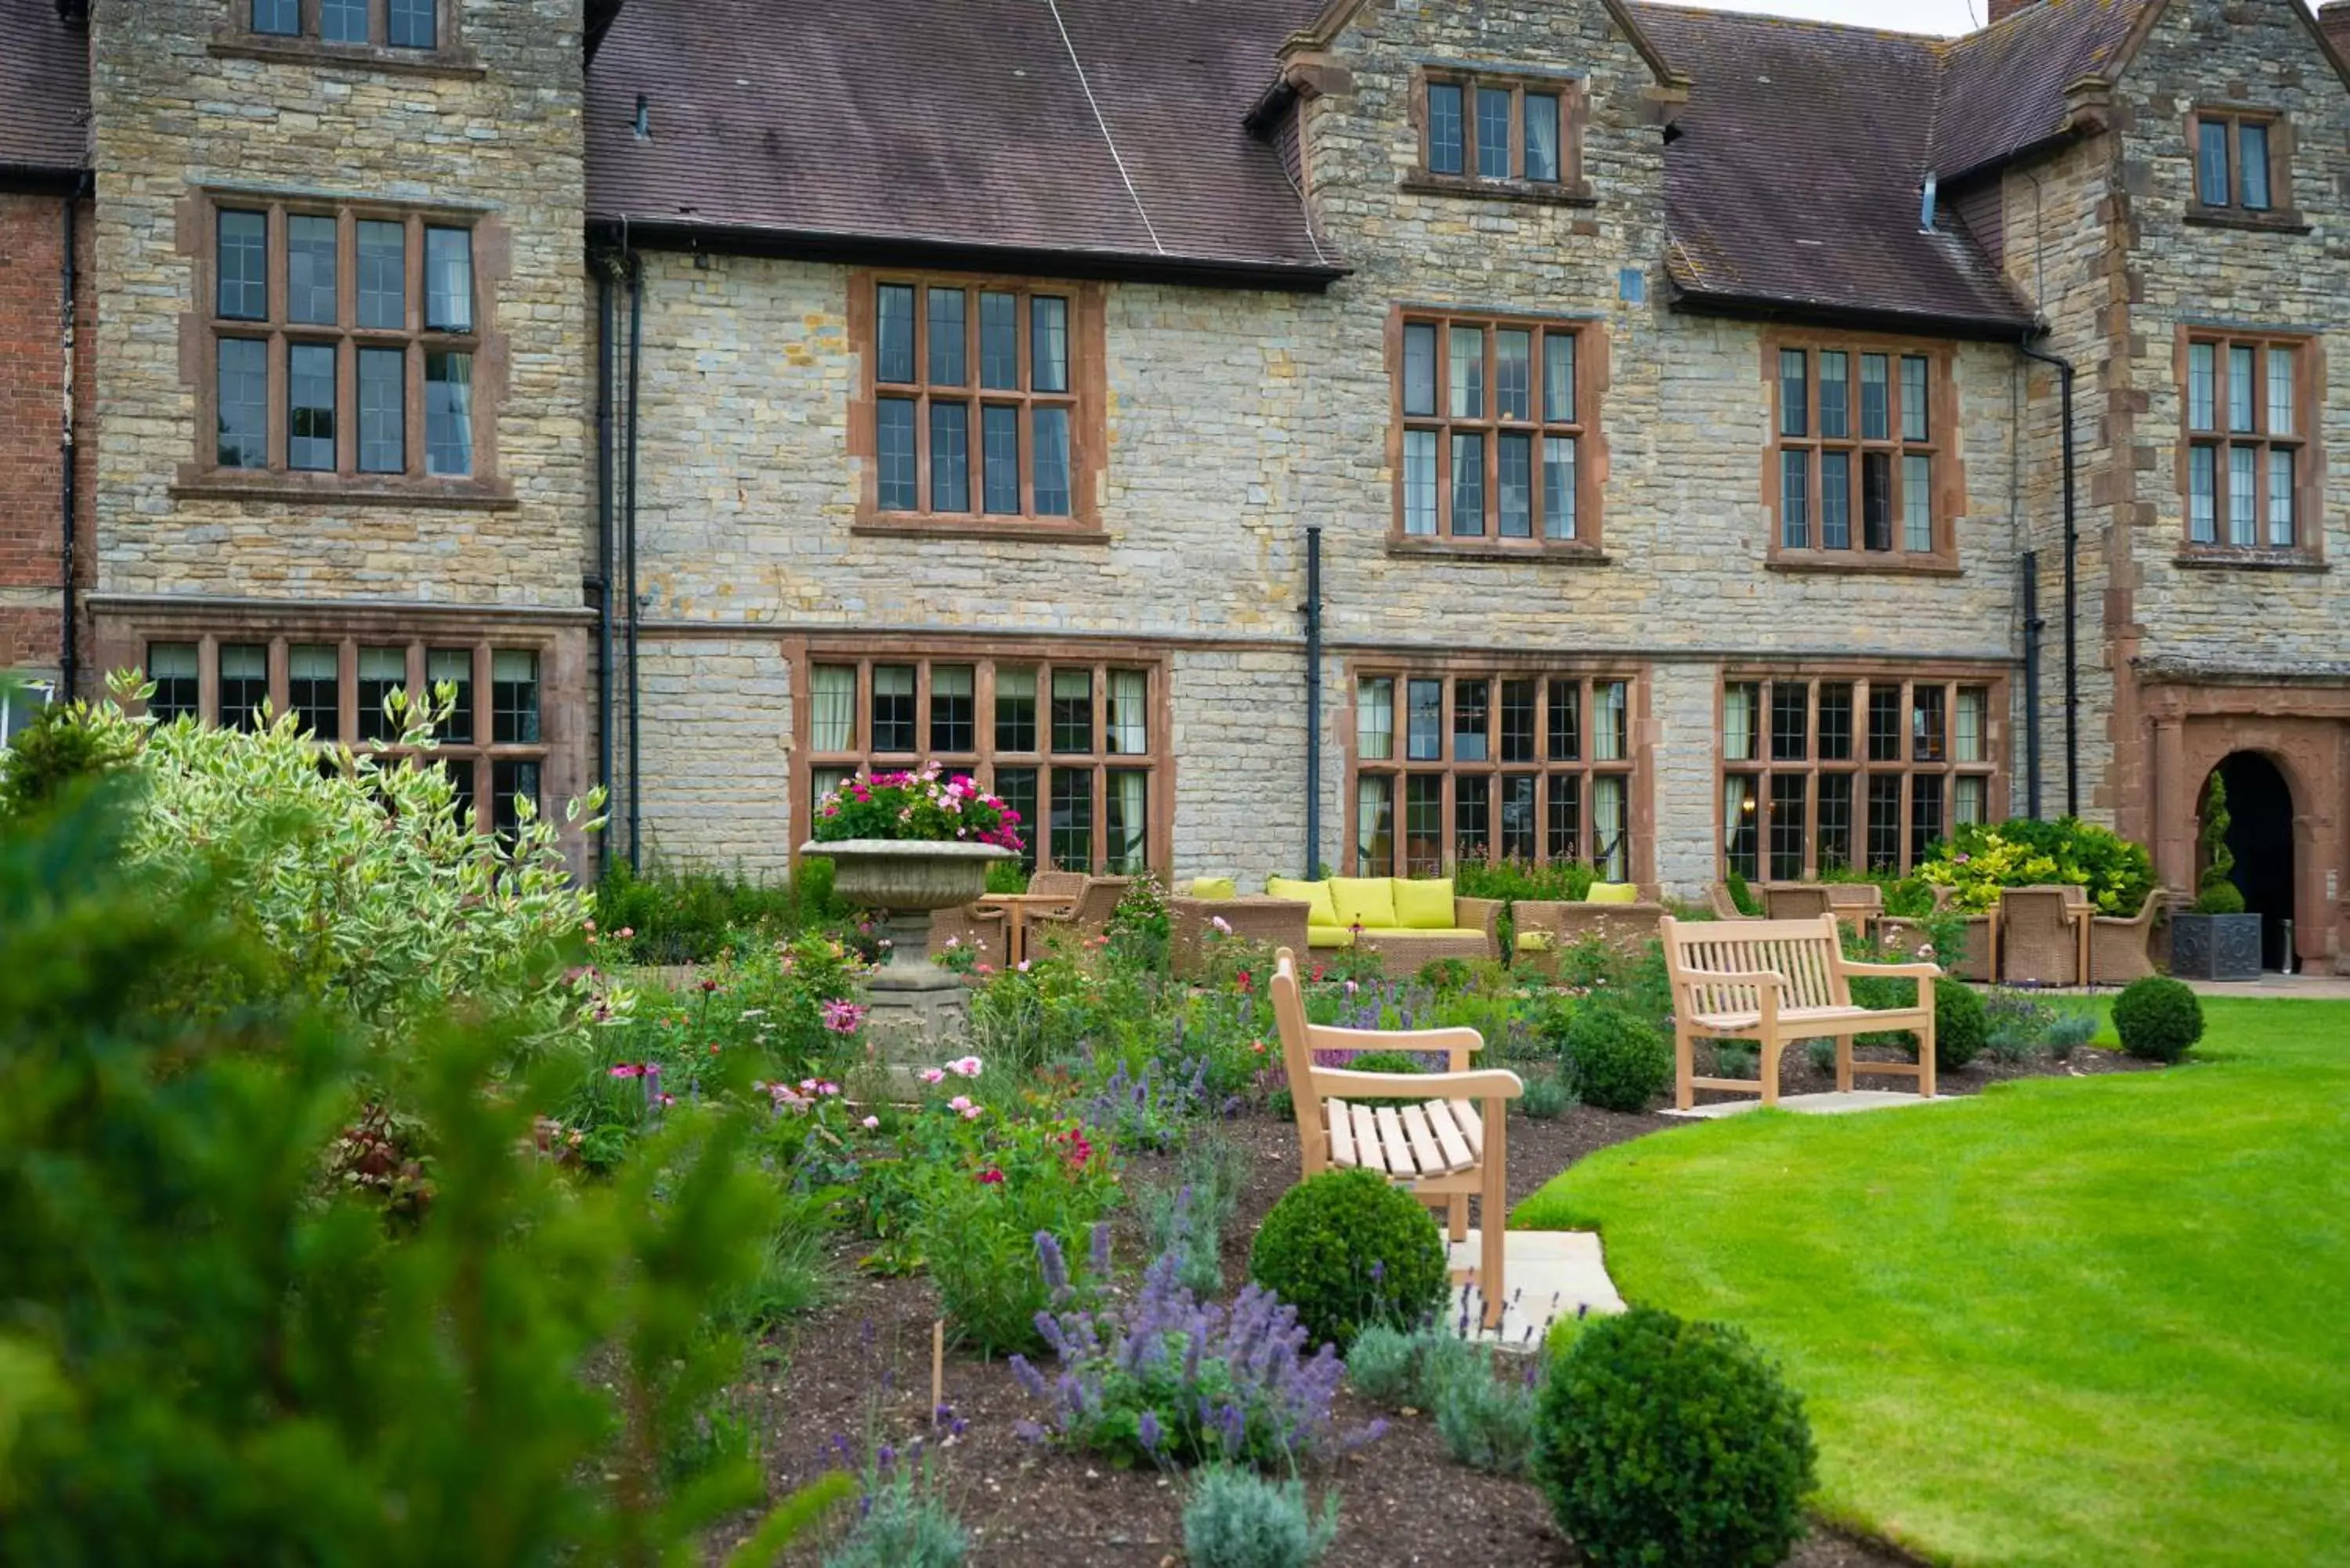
1423,905
1218,888
1366,901
1319,910
1612,893
1329,937
1536,941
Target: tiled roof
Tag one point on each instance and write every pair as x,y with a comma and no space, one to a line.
1795,180
44,89
957,126
2002,88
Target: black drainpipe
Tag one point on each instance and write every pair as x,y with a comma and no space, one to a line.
2072,592
636,361
1313,701
2031,628
608,322
69,280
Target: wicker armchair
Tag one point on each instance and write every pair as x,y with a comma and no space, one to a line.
1978,955
2119,946
1795,900
970,927
1628,928
1061,884
1725,908
1279,922
1088,916
2041,930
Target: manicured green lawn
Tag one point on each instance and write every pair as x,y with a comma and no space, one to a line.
2088,1322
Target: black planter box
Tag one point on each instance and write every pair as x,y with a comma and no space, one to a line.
2215,947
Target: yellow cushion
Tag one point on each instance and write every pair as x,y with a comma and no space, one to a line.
1212,888
1423,905
1329,937
1365,901
1612,893
1536,941
1319,910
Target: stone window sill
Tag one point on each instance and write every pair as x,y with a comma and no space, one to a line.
986,530
1865,563
329,490
1569,553
2282,220
2207,560
1537,192
456,63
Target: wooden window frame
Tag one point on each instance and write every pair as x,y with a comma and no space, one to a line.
1943,448
987,656
204,330
1632,768
2308,348
2279,213
481,754
1571,188
449,56
1086,401
1863,679
1591,375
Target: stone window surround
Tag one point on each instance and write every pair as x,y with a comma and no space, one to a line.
199,329
985,654
1591,382
1942,443
1088,387
126,628
2280,215
451,56
1634,767
1573,90
1861,675
2308,552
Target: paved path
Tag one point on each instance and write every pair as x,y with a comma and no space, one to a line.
1827,1105
1550,1275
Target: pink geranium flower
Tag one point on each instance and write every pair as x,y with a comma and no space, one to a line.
933,1075
964,1066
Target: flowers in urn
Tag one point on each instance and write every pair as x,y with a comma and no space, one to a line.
929,806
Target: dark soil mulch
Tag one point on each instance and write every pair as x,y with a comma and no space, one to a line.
858,1371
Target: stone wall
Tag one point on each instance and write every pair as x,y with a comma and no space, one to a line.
715,732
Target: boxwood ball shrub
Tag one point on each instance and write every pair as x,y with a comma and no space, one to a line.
2157,1018
1348,1251
1614,1059
1960,1027
1666,1442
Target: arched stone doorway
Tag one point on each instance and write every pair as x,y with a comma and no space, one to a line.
2260,836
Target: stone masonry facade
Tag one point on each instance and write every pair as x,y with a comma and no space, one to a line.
1232,418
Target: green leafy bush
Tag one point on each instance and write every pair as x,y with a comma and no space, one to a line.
1140,926
1961,1030
1512,880
1742,895
1668,1442
1488,1419
2157,1018
1821,1053
1347,1249
1980,859
692,915
1614,1060
530,1369
61,748
1237,1519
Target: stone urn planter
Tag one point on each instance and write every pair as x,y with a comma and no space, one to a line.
917,1007
2215,947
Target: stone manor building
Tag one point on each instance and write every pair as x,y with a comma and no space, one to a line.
1249,434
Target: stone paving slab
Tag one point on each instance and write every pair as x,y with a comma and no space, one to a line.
1550,1275
1827,1105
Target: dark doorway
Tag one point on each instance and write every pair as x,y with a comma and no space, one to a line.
2260,836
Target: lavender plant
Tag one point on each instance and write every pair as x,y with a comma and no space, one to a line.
1235,1519
1150,1109
1487,1415
1170,1379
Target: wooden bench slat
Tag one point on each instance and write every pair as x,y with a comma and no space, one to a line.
1367,1152
1448,1135
1472,1125
1342,1136
1424,1151
1394,1145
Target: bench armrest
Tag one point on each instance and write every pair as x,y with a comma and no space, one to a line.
1894,971
1490,1084
1329,1037
1764,977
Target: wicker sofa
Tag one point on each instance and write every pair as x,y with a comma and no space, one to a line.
1192,930
1406,923
1545,928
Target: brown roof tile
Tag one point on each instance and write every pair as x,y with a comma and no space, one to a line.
44,90
2003,87
955,125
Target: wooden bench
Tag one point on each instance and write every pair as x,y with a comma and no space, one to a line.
1775,982
1446,1150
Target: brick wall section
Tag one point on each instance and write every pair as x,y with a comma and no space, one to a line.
32,420
1236,419
174,116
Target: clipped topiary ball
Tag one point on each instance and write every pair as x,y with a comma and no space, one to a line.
1347,1251
2157,1018
1614,1060
1670,1442
1961,1026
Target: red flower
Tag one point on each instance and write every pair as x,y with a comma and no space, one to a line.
991,1176
1246,984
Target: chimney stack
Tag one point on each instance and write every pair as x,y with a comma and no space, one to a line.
2001,10
2334,18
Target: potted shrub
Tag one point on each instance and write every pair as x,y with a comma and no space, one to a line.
2217,940
907,845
